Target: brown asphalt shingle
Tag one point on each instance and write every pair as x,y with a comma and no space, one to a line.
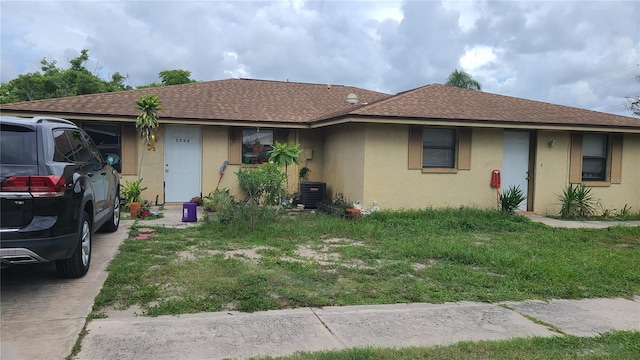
231,99
437,101
302,103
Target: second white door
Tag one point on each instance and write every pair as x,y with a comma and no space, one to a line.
515,163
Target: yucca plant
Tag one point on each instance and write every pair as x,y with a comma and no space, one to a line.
511,199
577,201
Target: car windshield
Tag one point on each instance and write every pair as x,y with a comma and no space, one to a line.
17,145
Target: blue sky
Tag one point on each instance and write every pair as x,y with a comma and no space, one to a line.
577,53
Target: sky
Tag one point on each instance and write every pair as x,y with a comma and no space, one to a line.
584,54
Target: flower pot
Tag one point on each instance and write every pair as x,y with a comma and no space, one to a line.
134,208
213,216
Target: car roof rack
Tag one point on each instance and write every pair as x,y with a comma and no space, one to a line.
41,119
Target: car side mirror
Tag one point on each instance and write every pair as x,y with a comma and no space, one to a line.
112,159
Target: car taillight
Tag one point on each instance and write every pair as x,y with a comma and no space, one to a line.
38,186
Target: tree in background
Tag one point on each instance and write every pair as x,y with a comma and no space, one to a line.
633,102
54,82
462,79
171,77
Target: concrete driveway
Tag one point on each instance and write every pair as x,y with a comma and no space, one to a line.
43,315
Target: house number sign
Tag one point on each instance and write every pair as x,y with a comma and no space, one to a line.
178,140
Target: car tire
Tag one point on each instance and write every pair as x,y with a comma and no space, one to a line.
112,224
78,265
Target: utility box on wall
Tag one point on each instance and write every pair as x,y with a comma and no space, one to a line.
311,193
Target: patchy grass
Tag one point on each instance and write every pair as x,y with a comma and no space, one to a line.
613,345
388,257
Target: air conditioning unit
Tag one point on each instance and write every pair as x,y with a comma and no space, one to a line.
311,193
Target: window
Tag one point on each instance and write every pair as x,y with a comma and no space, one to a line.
107,138
256,145
438,148
594,157
17,145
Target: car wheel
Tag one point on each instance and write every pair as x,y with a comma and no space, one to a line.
78,265
114,221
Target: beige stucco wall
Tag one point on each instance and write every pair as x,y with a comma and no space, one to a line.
344,161
552,175
368,162
152,169
312,145
551,171
389,182
614,197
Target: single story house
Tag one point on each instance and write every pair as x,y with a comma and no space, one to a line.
433,146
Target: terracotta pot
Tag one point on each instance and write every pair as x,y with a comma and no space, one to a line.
134,208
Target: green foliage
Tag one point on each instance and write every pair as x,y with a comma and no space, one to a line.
633,102
577,201
175,77
511,199
217,200
147,121
54,82
263,185
132,190
285,154
303,174
462,79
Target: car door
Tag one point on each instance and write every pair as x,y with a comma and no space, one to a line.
103,178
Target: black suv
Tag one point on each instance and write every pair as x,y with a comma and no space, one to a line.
57,190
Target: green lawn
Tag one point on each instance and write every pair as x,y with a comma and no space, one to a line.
614,345
429,256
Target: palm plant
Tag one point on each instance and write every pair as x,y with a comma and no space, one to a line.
462,79
577,201
510,199
285,154
147,121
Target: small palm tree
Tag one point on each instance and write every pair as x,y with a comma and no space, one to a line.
147,121
285,154
462,79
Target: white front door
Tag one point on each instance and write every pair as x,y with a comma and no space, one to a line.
515,162
183,159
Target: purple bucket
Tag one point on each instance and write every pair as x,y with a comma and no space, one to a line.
189,212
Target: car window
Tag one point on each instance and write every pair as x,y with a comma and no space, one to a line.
79,147
95,153
17,145
63,151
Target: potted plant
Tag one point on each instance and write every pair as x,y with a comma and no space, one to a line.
131,192
257,146
216,202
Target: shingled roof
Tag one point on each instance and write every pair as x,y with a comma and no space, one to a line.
230,99
289,103
437,101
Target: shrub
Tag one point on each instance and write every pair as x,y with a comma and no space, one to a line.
577,201
131,191
511,199
217,200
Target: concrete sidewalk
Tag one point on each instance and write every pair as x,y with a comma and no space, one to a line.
277,333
